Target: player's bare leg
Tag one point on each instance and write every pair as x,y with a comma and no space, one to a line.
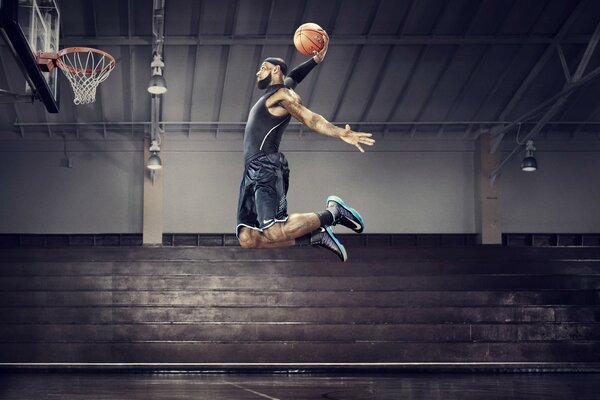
306,229
282,234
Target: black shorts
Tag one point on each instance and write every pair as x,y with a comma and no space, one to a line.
263,192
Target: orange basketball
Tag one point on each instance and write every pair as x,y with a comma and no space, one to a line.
309,38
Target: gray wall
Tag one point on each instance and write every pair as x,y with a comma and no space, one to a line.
400,186
102,193
562,196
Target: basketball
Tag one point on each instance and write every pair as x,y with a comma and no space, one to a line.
309,39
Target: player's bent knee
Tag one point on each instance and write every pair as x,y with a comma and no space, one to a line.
247,241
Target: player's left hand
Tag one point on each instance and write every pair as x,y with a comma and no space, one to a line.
320,56
357,138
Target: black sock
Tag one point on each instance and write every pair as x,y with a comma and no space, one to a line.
326,217
334,211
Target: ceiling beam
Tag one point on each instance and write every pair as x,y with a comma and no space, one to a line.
341,40
243,123
560,37
500,131
577,77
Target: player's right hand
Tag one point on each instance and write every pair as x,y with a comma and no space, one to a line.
357,138
320,56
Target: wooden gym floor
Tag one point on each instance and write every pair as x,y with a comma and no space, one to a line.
114,386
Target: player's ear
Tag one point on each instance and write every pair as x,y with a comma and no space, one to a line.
276,69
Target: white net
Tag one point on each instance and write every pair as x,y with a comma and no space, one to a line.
85,69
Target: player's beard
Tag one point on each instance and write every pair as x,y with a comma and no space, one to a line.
263,83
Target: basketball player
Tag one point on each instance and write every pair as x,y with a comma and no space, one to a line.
263,221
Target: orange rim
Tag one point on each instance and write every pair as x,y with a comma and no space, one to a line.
74,70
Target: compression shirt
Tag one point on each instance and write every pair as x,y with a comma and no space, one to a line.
264,130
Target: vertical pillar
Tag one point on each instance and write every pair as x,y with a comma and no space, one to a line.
153,200
488,218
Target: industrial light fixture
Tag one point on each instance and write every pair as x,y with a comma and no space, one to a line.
158,84
154,161
529,164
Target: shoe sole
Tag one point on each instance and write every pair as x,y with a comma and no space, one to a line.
337,242
352,211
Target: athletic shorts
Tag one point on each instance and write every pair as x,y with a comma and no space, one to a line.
263,191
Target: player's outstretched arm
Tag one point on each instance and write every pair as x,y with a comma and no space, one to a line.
289,100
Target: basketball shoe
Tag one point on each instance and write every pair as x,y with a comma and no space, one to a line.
344,215
325,238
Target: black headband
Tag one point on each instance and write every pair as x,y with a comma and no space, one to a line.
279,62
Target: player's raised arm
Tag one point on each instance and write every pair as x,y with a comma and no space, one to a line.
300,72
291,102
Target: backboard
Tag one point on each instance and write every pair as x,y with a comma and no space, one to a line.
29,26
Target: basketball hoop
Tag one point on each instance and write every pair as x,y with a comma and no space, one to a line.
84,67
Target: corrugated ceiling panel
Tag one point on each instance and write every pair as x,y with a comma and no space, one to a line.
450,85
141,99
509,81
287,16
205,90
490,68
142,17
457,17
421,84
361,82
522,17
422,17
180,64
76,18
252,17
397,72
182,17
389,17
321,13
215,17
115,89
554,16
113,18
490,17
353,17
434,89
588,19
236,83
584,100
549,81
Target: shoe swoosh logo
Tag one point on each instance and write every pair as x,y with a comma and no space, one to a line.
356,224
